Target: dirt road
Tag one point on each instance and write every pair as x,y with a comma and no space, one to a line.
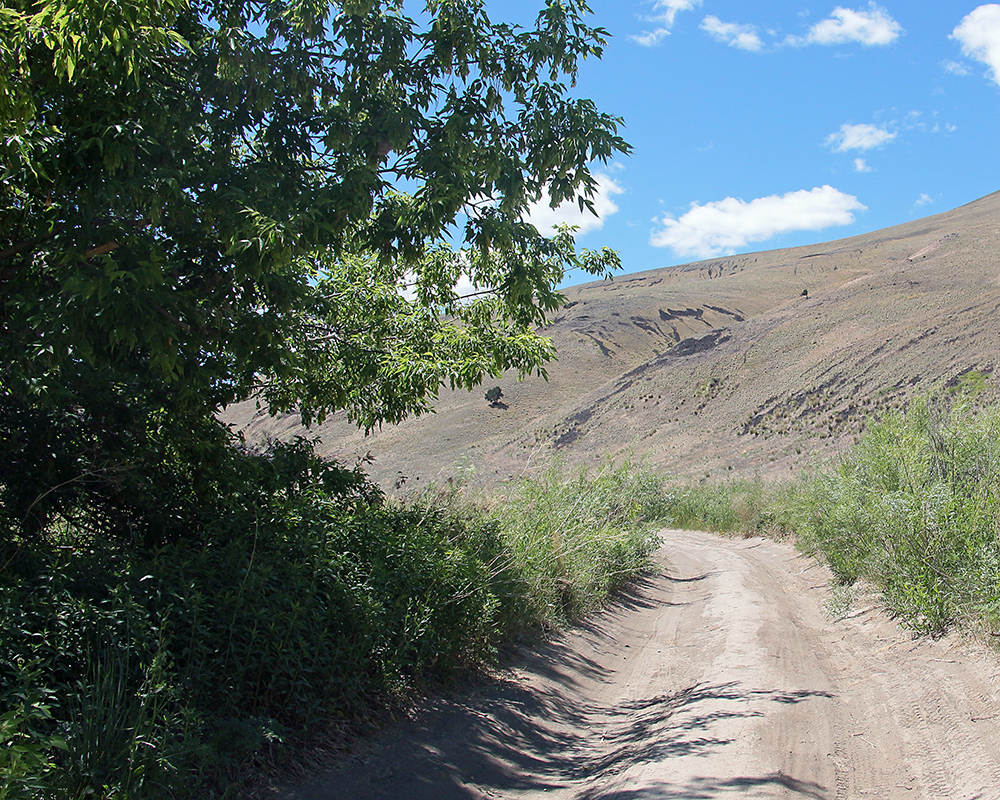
722,676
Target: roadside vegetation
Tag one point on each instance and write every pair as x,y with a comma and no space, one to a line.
209,203
913,509
186,670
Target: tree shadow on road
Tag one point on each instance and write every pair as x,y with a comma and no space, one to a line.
712,788
517,738
540,730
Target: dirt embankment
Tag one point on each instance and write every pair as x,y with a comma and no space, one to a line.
723,675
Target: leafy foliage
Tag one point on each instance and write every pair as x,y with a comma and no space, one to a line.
204,201
912,508
209,201
26,752
172,672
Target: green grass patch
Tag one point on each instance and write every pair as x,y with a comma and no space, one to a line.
913,508
180,671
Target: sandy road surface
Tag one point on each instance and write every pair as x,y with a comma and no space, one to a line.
722,676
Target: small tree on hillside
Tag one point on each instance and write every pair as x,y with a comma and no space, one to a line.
493,395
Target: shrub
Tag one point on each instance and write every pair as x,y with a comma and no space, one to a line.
568,540
914,508
182,668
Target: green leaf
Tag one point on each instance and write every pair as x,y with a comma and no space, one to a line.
233,170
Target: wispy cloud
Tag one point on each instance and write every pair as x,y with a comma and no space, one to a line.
726,226
859,137
979,36
544,217
664,20
924,199
860,165
954,67
845,25
742,37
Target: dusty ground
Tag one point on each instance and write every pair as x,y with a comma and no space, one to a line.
723,675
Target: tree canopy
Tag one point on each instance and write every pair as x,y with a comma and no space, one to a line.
206,201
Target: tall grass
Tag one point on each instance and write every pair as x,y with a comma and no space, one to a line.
180,671
568,539
913,508
749,506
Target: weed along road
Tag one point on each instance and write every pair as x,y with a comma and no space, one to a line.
724,674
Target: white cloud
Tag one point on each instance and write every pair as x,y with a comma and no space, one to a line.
954,67
544,217
913,120
860,165
728,225
979,35
844,25
668,10
743,37
924,199
859,137
650,38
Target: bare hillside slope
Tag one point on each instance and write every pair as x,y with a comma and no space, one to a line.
753,363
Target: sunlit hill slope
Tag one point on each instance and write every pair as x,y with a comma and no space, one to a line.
760,363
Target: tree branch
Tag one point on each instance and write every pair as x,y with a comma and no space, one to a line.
29,244
102,250
170,317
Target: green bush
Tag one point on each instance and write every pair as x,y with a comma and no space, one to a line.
177,670
914,508
567,541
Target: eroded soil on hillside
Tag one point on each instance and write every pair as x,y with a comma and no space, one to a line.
722,675
759,364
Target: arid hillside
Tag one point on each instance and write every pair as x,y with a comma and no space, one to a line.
761,363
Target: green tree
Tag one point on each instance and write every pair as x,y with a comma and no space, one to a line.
493,395
205,201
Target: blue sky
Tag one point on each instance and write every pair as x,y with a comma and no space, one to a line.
774,124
